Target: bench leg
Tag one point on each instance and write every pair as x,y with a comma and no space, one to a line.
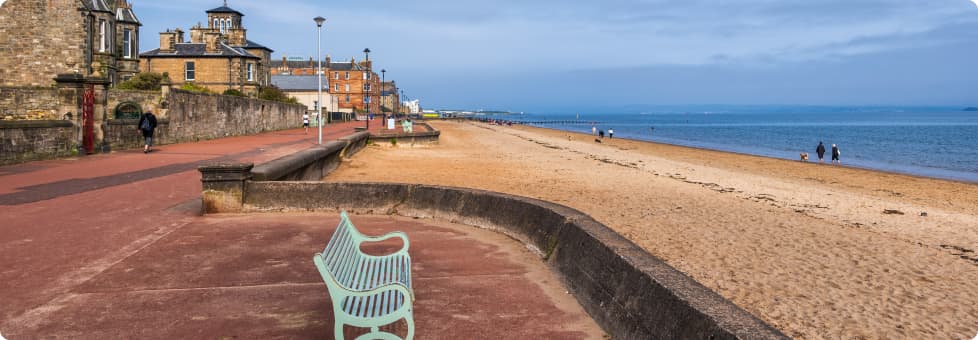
410,326
338,330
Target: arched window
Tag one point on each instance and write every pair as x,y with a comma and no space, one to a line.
217,23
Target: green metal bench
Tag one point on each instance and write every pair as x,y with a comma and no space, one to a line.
367,291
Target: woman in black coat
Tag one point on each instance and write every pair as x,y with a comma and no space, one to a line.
147,124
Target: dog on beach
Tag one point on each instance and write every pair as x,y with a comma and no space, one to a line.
804,156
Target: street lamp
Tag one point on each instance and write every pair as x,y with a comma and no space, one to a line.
319,75
366,90
383,84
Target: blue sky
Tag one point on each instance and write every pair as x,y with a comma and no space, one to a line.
527,55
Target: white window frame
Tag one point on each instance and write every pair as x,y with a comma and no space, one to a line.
251,71
336,87
348,76
217,23
336,75
189,71
346,87
127,43
102,42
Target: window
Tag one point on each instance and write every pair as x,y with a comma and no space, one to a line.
366,87
189,72
348,76
347,87
336,75
251,72
127,48
347,98
217,23
336,87
102,42
366,75
366,100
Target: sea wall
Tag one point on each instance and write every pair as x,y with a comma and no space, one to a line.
629,292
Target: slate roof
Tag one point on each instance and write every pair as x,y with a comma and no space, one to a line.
299,83
97,6
225,9
197,50
344,66
126,15
254,45
295,63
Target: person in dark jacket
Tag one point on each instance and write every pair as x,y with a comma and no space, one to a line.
835,155
820,150
147,124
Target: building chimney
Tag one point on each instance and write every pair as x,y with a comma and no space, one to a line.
168,41
179,33
212,41
329,61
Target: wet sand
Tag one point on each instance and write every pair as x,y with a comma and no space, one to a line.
817,251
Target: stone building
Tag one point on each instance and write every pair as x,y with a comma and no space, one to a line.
91,38
219,56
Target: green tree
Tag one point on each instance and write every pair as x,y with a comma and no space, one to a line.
233,92
146,81
273,93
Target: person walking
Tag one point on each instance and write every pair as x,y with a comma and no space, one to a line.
835,155
305,122
611,133
601,134
594,130
146,126
820,150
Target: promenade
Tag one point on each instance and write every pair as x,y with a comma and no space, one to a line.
113,246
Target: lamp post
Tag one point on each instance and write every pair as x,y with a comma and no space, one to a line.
319,75
383,84
366,90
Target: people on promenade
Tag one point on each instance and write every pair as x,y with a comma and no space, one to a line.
594,130
611,133
820,150
146,126
305,122
835,155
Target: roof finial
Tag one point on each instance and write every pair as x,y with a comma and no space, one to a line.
225,3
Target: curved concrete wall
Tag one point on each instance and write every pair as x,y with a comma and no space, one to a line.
630,293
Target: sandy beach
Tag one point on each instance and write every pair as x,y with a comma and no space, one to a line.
817,251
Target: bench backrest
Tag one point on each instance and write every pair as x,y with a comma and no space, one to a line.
342,254
353,269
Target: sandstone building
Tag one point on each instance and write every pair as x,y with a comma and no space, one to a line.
90,38
219,56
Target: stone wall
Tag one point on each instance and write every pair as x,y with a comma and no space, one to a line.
29,103
189,117
41,39
30,140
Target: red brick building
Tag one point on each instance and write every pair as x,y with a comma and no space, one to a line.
354,84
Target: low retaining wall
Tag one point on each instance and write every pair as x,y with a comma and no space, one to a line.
29,140
629,292
430,135
307,165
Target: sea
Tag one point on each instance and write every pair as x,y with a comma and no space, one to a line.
940,142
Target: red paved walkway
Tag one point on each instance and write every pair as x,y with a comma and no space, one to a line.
112,246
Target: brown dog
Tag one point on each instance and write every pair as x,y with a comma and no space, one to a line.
804,156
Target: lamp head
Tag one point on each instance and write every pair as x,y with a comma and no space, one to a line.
319,21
